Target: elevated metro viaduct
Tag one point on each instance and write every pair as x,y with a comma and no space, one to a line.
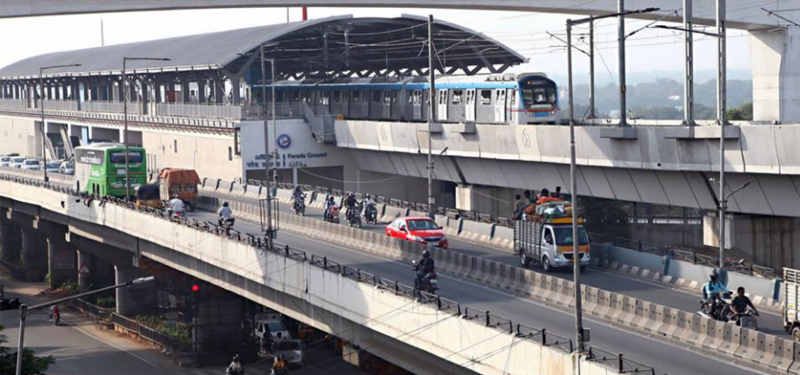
773,45
201,111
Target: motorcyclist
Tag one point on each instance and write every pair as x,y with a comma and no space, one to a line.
741,302
424,266
279,365
369,206
54,313
711,288
235,368
225,212
350,204
297,194
328,205
176,205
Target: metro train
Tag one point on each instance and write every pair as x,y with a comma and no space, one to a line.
525,98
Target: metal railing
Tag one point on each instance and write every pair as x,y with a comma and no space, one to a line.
618,362
108,107
199,110
97,313
61,105
282,111
440,303
12,103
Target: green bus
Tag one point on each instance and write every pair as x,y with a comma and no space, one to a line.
100,168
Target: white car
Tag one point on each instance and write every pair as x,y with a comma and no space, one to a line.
17,161
292,350
32,165
272,327
67,167
5,161
53,166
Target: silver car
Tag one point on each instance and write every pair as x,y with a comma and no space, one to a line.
53,166
5,161
292,350
31,165
67,167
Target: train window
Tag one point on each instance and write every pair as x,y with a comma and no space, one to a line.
457,95
486,97
540,96
355,96
513,97
337,96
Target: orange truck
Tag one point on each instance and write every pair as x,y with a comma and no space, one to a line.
182,182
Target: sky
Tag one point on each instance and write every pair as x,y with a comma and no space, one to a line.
650,52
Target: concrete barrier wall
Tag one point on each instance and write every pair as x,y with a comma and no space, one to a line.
224,261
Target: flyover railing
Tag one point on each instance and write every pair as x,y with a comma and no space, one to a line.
541,335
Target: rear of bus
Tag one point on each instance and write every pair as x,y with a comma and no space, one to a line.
115,170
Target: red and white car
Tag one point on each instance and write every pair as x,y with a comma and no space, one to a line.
421,230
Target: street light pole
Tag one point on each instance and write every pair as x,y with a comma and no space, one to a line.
125,117
267,169
573,190
41,108
24,310
721,101
431,118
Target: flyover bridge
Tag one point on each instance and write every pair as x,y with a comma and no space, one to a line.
375,313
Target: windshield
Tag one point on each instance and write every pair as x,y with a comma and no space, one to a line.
5,159
275,326
31,162
422,224
70,164
53,164
17,160
538,91
288,345
564,236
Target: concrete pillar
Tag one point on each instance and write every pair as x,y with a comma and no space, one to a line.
185,97
34,254
10,240
85,263
217,318
236,87
219,91
776,75
61,255
123,273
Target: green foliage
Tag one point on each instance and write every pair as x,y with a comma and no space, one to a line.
179,331
605,216
741,113
106,302
31,364
71,287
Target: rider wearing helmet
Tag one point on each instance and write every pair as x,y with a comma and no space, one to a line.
350,203
424,266
713,286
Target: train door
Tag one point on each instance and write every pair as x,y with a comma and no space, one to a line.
470,103
441,114
500,106
512,106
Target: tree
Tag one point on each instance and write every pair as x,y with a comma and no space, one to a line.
743,112
31,364
605,216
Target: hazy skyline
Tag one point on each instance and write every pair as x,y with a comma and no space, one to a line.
650,50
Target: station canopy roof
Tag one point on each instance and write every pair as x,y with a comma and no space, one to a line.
328,47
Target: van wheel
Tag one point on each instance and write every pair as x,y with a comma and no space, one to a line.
796,334
546,264
524,260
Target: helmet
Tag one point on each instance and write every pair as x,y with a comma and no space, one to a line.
330,199
368,196
225,204
426,254
714,275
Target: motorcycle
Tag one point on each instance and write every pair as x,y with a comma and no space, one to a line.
299,205
353,217
55,317
747,319
717,307
333,215
371,214
226,223
429,282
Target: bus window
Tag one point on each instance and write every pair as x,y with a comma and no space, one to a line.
118,157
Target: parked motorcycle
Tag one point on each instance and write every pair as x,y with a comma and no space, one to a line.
354,217
371,214
299,205
429,282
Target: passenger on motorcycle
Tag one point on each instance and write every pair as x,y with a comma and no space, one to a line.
235,368
328,204
424,266
740,303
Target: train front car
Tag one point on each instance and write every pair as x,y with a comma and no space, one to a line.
539,98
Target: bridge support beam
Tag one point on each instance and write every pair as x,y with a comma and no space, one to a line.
61,257
34,254
10,237
776,75
85,278
133,301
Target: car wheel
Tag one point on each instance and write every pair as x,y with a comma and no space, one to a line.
796,334
546,264
524,260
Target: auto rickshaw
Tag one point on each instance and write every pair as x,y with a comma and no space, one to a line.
148,196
